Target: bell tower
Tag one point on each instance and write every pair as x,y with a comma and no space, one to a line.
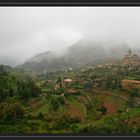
129,52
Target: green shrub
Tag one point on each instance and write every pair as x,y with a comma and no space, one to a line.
61,100
54,103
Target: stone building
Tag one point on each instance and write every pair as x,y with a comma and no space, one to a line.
67,82
131,59
62,83
130,84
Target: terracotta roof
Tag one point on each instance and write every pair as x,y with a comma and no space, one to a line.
68,80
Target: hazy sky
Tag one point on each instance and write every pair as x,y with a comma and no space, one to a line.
26,31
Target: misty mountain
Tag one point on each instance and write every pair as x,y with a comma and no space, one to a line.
84,52
81,54
49,56
47,61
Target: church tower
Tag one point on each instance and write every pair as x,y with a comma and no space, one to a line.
131,59
129,52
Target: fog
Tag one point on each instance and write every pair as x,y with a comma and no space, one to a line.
27,31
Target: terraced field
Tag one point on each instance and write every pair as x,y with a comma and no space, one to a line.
76,105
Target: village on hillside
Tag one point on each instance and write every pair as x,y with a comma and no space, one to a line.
129,61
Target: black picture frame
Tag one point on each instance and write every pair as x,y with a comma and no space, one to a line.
68,3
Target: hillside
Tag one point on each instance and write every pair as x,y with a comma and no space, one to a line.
94,102
82,53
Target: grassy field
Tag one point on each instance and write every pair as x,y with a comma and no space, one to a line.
135,111
44,110
76,109
133,77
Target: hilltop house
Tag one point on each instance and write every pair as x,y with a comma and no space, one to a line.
67,82
62,84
